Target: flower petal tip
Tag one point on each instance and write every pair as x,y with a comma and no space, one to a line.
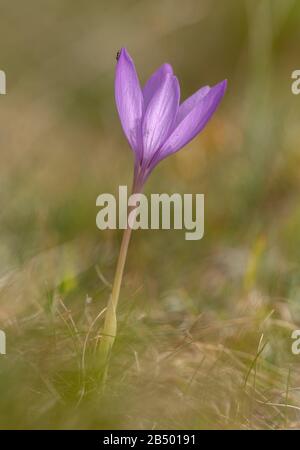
123,54
223,84
167,68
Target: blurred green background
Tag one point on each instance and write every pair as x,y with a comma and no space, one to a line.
204,327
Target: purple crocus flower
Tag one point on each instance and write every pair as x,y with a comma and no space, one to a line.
156,126
154,123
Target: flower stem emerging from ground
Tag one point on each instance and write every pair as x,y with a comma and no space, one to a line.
109,332
110,325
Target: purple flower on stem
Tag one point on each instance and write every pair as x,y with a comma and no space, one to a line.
156,126
154,122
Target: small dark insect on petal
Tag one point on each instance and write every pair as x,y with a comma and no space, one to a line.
118,55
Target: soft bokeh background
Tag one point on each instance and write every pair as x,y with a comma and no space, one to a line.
204,327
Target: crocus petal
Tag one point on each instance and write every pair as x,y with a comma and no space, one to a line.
160,115
192,123
154,82
186,107
129,99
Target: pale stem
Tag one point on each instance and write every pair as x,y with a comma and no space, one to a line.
110,324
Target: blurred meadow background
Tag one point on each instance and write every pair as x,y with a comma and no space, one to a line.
204,327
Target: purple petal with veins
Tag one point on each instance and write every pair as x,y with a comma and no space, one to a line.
189,104
160,115
155,82
192,123
129,100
